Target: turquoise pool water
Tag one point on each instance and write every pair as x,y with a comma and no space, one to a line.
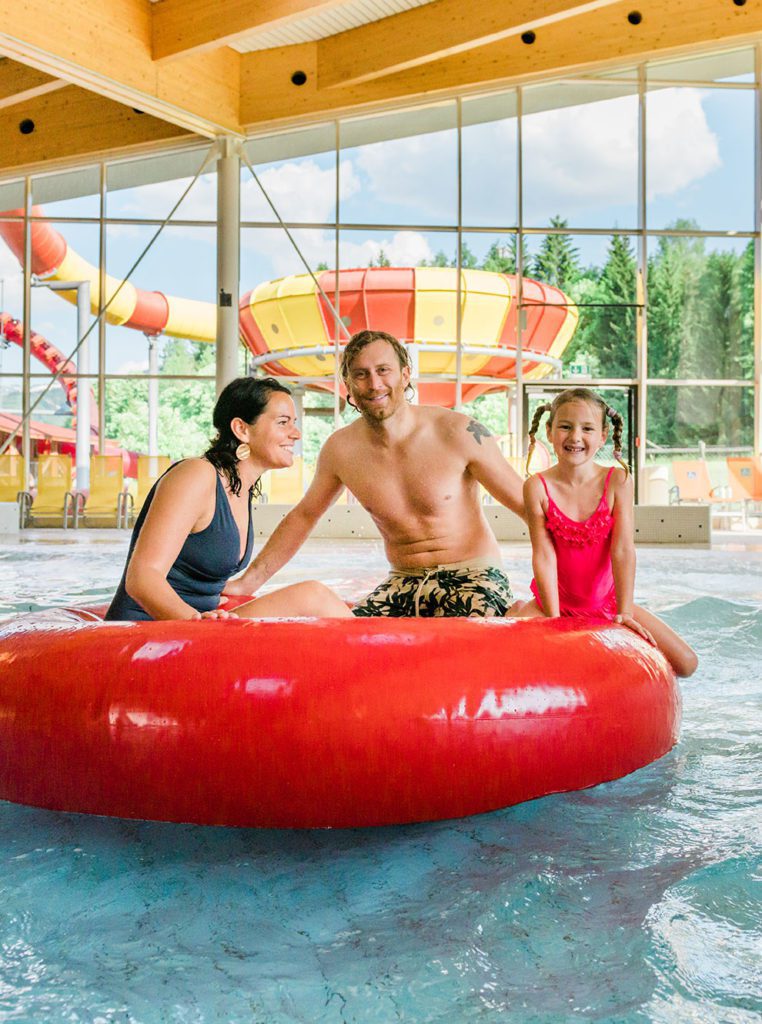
634,901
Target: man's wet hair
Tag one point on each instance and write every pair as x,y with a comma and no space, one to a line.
361,340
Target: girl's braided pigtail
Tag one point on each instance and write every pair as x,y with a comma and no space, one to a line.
539,413
618,424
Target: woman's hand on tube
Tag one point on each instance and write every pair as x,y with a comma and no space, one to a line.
215,613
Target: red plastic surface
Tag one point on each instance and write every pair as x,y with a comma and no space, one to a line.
328,723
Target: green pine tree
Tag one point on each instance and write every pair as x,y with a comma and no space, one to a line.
557,262
381,260
502,257
611,331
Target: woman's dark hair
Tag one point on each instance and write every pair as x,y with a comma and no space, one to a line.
244,398
579,395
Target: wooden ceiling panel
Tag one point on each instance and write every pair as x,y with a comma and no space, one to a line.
19,83
428,34
106,47
183,27
72,123
601,38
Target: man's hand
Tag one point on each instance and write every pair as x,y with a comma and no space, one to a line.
238,588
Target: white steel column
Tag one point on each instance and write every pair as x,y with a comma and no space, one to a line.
641,296
297,393
337,282
459,264
228,260
26,364
83,387
518,446
101,317
758,251
153,395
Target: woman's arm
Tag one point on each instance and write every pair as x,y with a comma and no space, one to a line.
184,501
293,529
544,562
623,551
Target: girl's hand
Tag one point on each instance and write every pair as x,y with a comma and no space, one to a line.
635,626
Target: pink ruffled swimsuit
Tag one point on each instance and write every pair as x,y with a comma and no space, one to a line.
583,557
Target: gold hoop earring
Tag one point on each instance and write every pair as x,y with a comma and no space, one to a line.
242,452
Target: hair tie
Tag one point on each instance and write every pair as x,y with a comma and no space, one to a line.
611,413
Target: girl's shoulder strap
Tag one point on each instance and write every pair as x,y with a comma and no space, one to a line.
606,481
542,479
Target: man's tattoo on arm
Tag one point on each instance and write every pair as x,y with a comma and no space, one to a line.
478,430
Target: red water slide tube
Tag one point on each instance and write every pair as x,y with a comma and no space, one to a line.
51,358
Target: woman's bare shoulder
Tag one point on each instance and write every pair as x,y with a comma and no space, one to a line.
195,475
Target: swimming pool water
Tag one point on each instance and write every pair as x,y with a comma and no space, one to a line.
638,900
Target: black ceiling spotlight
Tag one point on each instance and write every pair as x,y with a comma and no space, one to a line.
299,78
740,3
634,17
528,38
27,126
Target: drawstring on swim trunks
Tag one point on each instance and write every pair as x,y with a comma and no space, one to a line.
421,585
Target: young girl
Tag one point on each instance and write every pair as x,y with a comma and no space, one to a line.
580,519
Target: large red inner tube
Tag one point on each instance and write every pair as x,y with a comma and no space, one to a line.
324,722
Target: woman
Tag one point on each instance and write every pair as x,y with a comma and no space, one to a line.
195,531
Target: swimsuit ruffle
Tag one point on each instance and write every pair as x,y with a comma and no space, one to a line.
579,535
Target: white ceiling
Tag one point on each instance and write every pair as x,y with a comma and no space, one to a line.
310,27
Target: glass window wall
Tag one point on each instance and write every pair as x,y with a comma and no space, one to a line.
607,222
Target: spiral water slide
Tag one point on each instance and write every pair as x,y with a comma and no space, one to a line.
289,326
51,358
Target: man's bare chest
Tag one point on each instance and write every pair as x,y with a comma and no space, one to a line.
392,485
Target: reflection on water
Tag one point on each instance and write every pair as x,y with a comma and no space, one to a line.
638,900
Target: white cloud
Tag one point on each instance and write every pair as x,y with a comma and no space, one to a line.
682,148
586,156
299,191
417,173
279,259
154,201
402,249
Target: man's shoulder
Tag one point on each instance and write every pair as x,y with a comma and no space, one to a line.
457,426
343,440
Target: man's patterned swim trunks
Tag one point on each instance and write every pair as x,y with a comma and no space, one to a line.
474,589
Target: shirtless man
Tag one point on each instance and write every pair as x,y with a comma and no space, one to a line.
417,470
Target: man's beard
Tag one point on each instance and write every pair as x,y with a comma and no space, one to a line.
376,414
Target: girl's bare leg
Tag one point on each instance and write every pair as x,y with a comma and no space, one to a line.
681,657
299,599
524,610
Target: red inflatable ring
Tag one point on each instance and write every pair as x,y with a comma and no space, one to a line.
322,723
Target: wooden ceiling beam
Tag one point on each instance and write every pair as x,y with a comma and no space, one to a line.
183,27
19,84
73,124
434,31
106,47
603,38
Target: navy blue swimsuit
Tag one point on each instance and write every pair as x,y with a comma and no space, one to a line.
206,561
